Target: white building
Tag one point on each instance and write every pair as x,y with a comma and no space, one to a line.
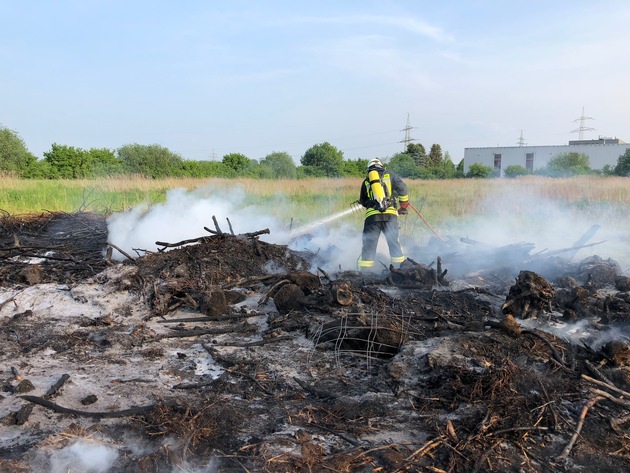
600,152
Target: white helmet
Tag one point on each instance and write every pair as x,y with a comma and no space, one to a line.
375,163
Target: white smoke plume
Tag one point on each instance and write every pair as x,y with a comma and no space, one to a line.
185,214
506,217
503,218
83,456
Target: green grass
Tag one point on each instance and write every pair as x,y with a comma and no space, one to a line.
440,201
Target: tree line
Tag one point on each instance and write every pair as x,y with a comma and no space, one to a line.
320,160
156,161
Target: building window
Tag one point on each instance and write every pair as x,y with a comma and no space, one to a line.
497,162
529,161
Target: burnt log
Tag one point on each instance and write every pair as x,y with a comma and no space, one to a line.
54,389
416,275
213,303
341,292
288,298
307,281
529,297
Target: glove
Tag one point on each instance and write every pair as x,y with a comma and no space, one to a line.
403,208
370,204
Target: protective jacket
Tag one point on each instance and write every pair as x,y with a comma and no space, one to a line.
395,190
379,195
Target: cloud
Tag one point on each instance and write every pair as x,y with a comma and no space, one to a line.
411,25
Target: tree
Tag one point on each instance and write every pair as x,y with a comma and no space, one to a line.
568,164
323,160
404,165
14,156
445,170
478,170
623,164
192,168
68,162
435,157
355,168
279,165
459,170
150,160
237,162
417,152
516,170
104,162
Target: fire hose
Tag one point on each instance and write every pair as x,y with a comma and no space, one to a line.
426,223
358,205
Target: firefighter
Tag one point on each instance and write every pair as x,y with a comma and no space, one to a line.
380,192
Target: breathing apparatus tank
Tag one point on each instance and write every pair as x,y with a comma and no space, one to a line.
377,188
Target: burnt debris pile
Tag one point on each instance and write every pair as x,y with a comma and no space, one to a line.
226,353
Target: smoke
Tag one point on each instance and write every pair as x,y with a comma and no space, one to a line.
83,456
581,332
506,217
185,214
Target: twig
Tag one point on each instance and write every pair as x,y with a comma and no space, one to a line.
180,243
324,273
595,372
216,225
610,397
273,288
590,403
610,386
230,225
553,349
10,299
483,457
126,255
517,429
430,445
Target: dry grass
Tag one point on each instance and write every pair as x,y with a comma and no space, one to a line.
438,200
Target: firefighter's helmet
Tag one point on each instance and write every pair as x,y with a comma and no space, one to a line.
375,164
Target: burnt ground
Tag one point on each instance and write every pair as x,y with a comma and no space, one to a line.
229,354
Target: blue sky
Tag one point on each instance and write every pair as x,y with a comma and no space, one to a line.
207,78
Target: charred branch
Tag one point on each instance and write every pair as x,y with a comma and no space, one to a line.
133,411
54,389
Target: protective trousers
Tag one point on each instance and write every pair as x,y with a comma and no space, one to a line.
372,230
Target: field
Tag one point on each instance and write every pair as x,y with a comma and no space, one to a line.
441,202
552,213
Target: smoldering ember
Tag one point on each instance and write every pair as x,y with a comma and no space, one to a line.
230,354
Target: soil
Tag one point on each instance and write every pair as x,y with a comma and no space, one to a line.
230,354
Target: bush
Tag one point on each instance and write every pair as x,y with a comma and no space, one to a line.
516,170
478,170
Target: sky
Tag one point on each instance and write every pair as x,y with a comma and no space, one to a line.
208,78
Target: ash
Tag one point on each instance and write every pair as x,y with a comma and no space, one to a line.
201,358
